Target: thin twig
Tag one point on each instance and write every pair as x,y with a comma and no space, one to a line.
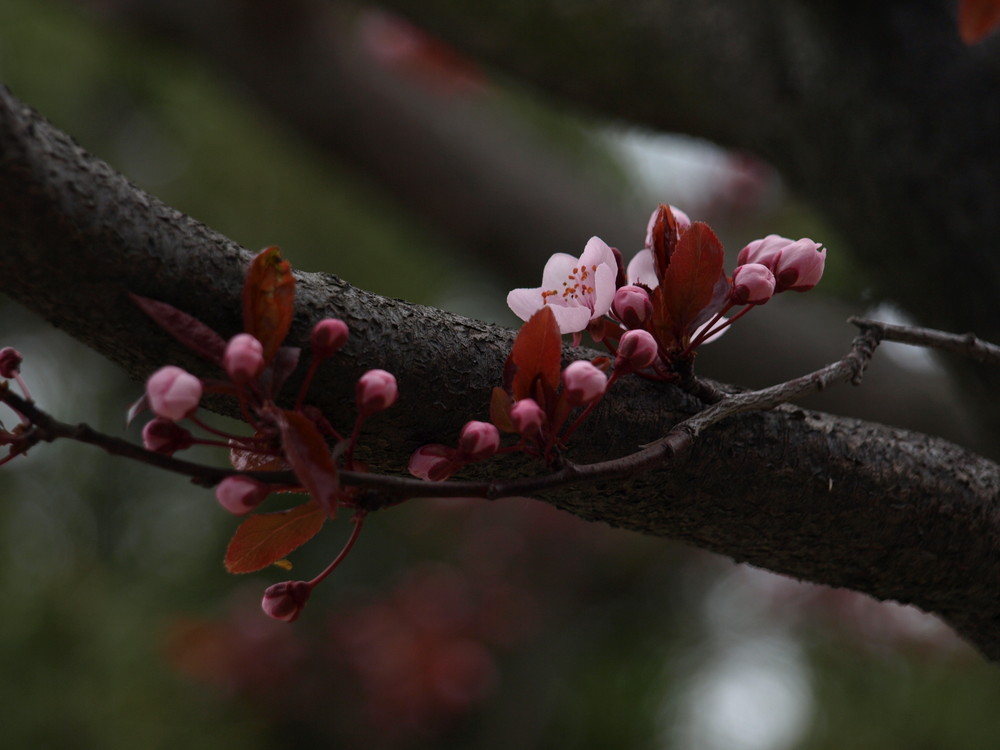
657,454
966,344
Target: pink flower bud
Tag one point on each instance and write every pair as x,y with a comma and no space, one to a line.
327,337
286,600
376,391
632,306
478,440
433,462
584,383
10,362
753,284
764,251
166,437
240,495
244,358
173,393
527,417
637,350
800,266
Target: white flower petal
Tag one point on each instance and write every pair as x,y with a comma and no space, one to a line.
525,302
642,270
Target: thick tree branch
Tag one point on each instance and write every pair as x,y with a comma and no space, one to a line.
895,514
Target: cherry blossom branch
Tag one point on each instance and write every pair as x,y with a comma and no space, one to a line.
386,490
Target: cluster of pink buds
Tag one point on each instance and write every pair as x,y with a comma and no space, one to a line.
10,369
675,290
538,403
294,449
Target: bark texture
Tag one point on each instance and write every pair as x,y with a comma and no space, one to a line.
895,514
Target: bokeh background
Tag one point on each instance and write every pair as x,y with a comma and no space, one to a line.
458,624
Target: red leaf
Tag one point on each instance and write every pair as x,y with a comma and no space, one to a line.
537,353
187,329
246,460
663,238
977,19
688,284
265,538
310,459
500,404
269,300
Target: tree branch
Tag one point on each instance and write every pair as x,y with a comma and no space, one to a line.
891,513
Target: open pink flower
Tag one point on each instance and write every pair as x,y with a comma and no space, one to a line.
577,289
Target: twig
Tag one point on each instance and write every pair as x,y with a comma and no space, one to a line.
966,344
848,369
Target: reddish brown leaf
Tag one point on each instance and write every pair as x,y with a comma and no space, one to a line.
663,238
537,353
310,459
269,300
187,329
245,460
265,538
687,286
500,404
977,19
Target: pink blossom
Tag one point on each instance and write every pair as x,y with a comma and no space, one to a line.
527,417
166,437
433,462
286,600
584,382
577,289
753,284
637,350
173,393
632,306
376,390
240,495
478,440
327,337
10,362
244,358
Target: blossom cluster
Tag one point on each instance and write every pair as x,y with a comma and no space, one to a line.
674,289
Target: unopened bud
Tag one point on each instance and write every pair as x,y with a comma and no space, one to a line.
166,437
327,337
173,393
632,306
584,383
240,495
527,417
376,390
244,358
286,600
637,350
800,266
10,362
764,251
753,284
478,440
433,462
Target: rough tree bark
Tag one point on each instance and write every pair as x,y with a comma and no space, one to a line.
837,501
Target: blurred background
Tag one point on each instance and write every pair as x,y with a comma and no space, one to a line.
372,151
